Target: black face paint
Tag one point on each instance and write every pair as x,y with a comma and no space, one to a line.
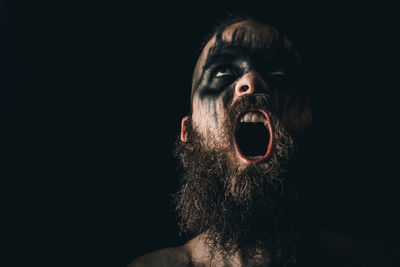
275,64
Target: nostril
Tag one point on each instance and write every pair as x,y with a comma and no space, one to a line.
244,88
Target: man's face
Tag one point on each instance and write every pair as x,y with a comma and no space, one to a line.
246,59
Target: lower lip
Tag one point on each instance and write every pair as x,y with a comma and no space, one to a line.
260,159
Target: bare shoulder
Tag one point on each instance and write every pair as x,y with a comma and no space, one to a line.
176,256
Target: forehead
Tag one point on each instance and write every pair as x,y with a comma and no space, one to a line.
250,31
245,33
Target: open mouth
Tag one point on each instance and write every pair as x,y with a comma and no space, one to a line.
253,136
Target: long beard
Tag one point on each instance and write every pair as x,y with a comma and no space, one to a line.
249,211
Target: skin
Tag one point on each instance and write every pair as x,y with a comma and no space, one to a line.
209,111
193,253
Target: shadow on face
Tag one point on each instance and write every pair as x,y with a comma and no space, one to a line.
248,58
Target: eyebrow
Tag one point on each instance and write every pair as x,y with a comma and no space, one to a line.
227,53
224,54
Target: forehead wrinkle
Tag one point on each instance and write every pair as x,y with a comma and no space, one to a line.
250,33
254,34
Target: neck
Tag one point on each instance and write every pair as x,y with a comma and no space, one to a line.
203,255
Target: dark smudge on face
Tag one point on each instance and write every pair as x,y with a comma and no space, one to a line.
264,57
240,210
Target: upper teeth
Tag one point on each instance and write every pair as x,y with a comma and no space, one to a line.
253,117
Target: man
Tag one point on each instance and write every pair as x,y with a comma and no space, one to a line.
249,112
248,107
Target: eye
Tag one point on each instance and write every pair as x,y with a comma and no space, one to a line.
278,73
224,72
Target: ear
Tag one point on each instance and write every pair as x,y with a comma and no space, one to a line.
183,129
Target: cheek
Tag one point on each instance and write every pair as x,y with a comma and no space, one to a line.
298,115
301,116
208,114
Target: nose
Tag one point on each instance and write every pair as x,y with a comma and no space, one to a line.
250,83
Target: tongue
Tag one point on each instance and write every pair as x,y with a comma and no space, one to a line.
252,139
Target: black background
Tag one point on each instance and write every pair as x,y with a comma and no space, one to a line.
94,94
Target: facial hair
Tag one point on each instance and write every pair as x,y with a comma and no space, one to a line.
250,210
